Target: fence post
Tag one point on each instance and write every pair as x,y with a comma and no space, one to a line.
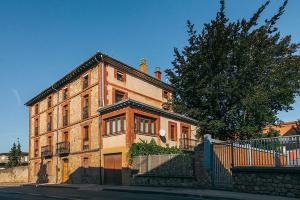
232,154
207,152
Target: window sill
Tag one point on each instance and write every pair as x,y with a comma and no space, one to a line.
115,134
146,134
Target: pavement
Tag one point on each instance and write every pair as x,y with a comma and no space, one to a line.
180,192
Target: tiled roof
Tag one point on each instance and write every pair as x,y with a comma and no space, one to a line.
91,62
147,108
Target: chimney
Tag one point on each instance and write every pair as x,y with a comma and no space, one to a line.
143,66
157,73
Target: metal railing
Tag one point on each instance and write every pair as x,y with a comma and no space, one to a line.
47,151
85,114
65,121
63,148
276,152
188,144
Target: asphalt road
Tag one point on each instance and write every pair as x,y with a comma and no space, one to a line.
44,193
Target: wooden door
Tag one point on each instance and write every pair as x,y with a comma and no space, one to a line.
65,172
113,169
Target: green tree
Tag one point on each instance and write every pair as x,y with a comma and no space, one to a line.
14,155
234,77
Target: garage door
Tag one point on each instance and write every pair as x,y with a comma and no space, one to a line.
113,169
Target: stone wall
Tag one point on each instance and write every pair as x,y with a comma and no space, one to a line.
164,170
267,180
14,175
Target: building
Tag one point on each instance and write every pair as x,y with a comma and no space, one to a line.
82,126
4,159
284,128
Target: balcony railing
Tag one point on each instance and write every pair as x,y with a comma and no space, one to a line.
188,144
65,121
47,151
49,126
86,145
63,148
36,131
85,114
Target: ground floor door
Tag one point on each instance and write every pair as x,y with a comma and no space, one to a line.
65,171
113,169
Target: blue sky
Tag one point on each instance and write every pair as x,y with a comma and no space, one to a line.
40,41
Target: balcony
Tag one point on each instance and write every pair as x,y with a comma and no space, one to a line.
85,114
86,145
36,131
65,121
49,126
188,144
47,151
63,148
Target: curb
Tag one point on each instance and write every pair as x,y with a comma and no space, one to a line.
50,186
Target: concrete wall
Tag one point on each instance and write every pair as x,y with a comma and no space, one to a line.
267,180
14,175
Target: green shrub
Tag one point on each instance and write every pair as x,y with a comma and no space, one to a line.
144,148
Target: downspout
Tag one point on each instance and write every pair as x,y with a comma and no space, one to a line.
100,120
57,117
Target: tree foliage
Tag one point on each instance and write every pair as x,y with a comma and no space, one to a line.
234,77
144,148
14,155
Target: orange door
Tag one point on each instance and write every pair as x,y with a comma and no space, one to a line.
113,169
65,173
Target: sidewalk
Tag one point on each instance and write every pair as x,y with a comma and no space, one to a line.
206,193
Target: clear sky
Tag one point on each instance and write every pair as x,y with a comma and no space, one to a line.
40,41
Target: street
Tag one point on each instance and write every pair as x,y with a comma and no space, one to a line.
45,193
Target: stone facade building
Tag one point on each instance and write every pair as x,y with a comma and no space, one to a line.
81,127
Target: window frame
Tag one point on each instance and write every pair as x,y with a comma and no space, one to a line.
113,130
145,120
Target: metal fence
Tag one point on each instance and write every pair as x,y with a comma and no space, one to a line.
272,152
265,152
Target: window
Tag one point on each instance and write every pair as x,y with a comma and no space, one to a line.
120,76
116,125
172,131
36,148
66,136
49,123
119,96
85,138
49,102
36,109
36,127
85,81
165,94
49,141
66,93
144,125
85,107
65,116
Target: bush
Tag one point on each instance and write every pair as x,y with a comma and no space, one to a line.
143,149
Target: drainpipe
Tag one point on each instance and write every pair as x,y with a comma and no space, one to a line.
101,104
57,116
